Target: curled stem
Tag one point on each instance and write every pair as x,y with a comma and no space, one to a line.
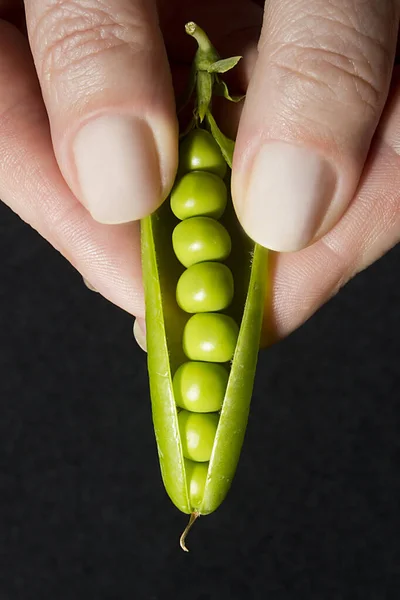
201,38
182,541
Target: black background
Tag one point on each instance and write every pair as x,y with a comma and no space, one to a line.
314,509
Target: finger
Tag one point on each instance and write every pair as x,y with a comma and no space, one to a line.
32,185
106,85
89,285
314,101
303,281
139,333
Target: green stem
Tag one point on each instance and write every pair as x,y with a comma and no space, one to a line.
205,46
204,74
205,56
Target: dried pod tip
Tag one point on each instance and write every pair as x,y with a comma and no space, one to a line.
182,541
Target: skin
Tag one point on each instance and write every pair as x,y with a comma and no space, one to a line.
336,105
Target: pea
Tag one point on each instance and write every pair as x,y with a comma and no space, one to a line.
200,152
197,432
200,239
200,386
205,287
210,337
196,476
199,193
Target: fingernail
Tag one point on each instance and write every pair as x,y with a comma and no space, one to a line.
139,331
289,192
118,169
89,285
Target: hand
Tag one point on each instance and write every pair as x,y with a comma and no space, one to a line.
307,180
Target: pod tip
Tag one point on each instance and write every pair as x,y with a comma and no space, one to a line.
182,541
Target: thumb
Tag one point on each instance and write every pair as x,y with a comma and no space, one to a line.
315,98
106,85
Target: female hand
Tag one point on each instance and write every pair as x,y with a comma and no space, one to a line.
88,133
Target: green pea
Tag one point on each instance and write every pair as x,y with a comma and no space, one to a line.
197,431
205,287
200,239
200,152
210,337
196,477
199,193
200,386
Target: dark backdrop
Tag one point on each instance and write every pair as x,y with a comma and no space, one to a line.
314,509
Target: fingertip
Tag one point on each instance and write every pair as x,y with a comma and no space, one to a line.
139,332
287,195
309,118
106,84
118,169
89,285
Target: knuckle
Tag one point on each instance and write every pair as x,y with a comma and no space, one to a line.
329,75
69,35
332,57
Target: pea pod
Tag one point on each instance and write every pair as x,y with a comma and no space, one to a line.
197,477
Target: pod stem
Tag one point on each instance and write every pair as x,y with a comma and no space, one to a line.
205,46
182,541
204,77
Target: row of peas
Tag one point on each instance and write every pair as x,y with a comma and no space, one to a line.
204,289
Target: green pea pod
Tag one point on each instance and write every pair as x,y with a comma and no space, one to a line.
165,322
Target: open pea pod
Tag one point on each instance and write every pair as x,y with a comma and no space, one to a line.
166,321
